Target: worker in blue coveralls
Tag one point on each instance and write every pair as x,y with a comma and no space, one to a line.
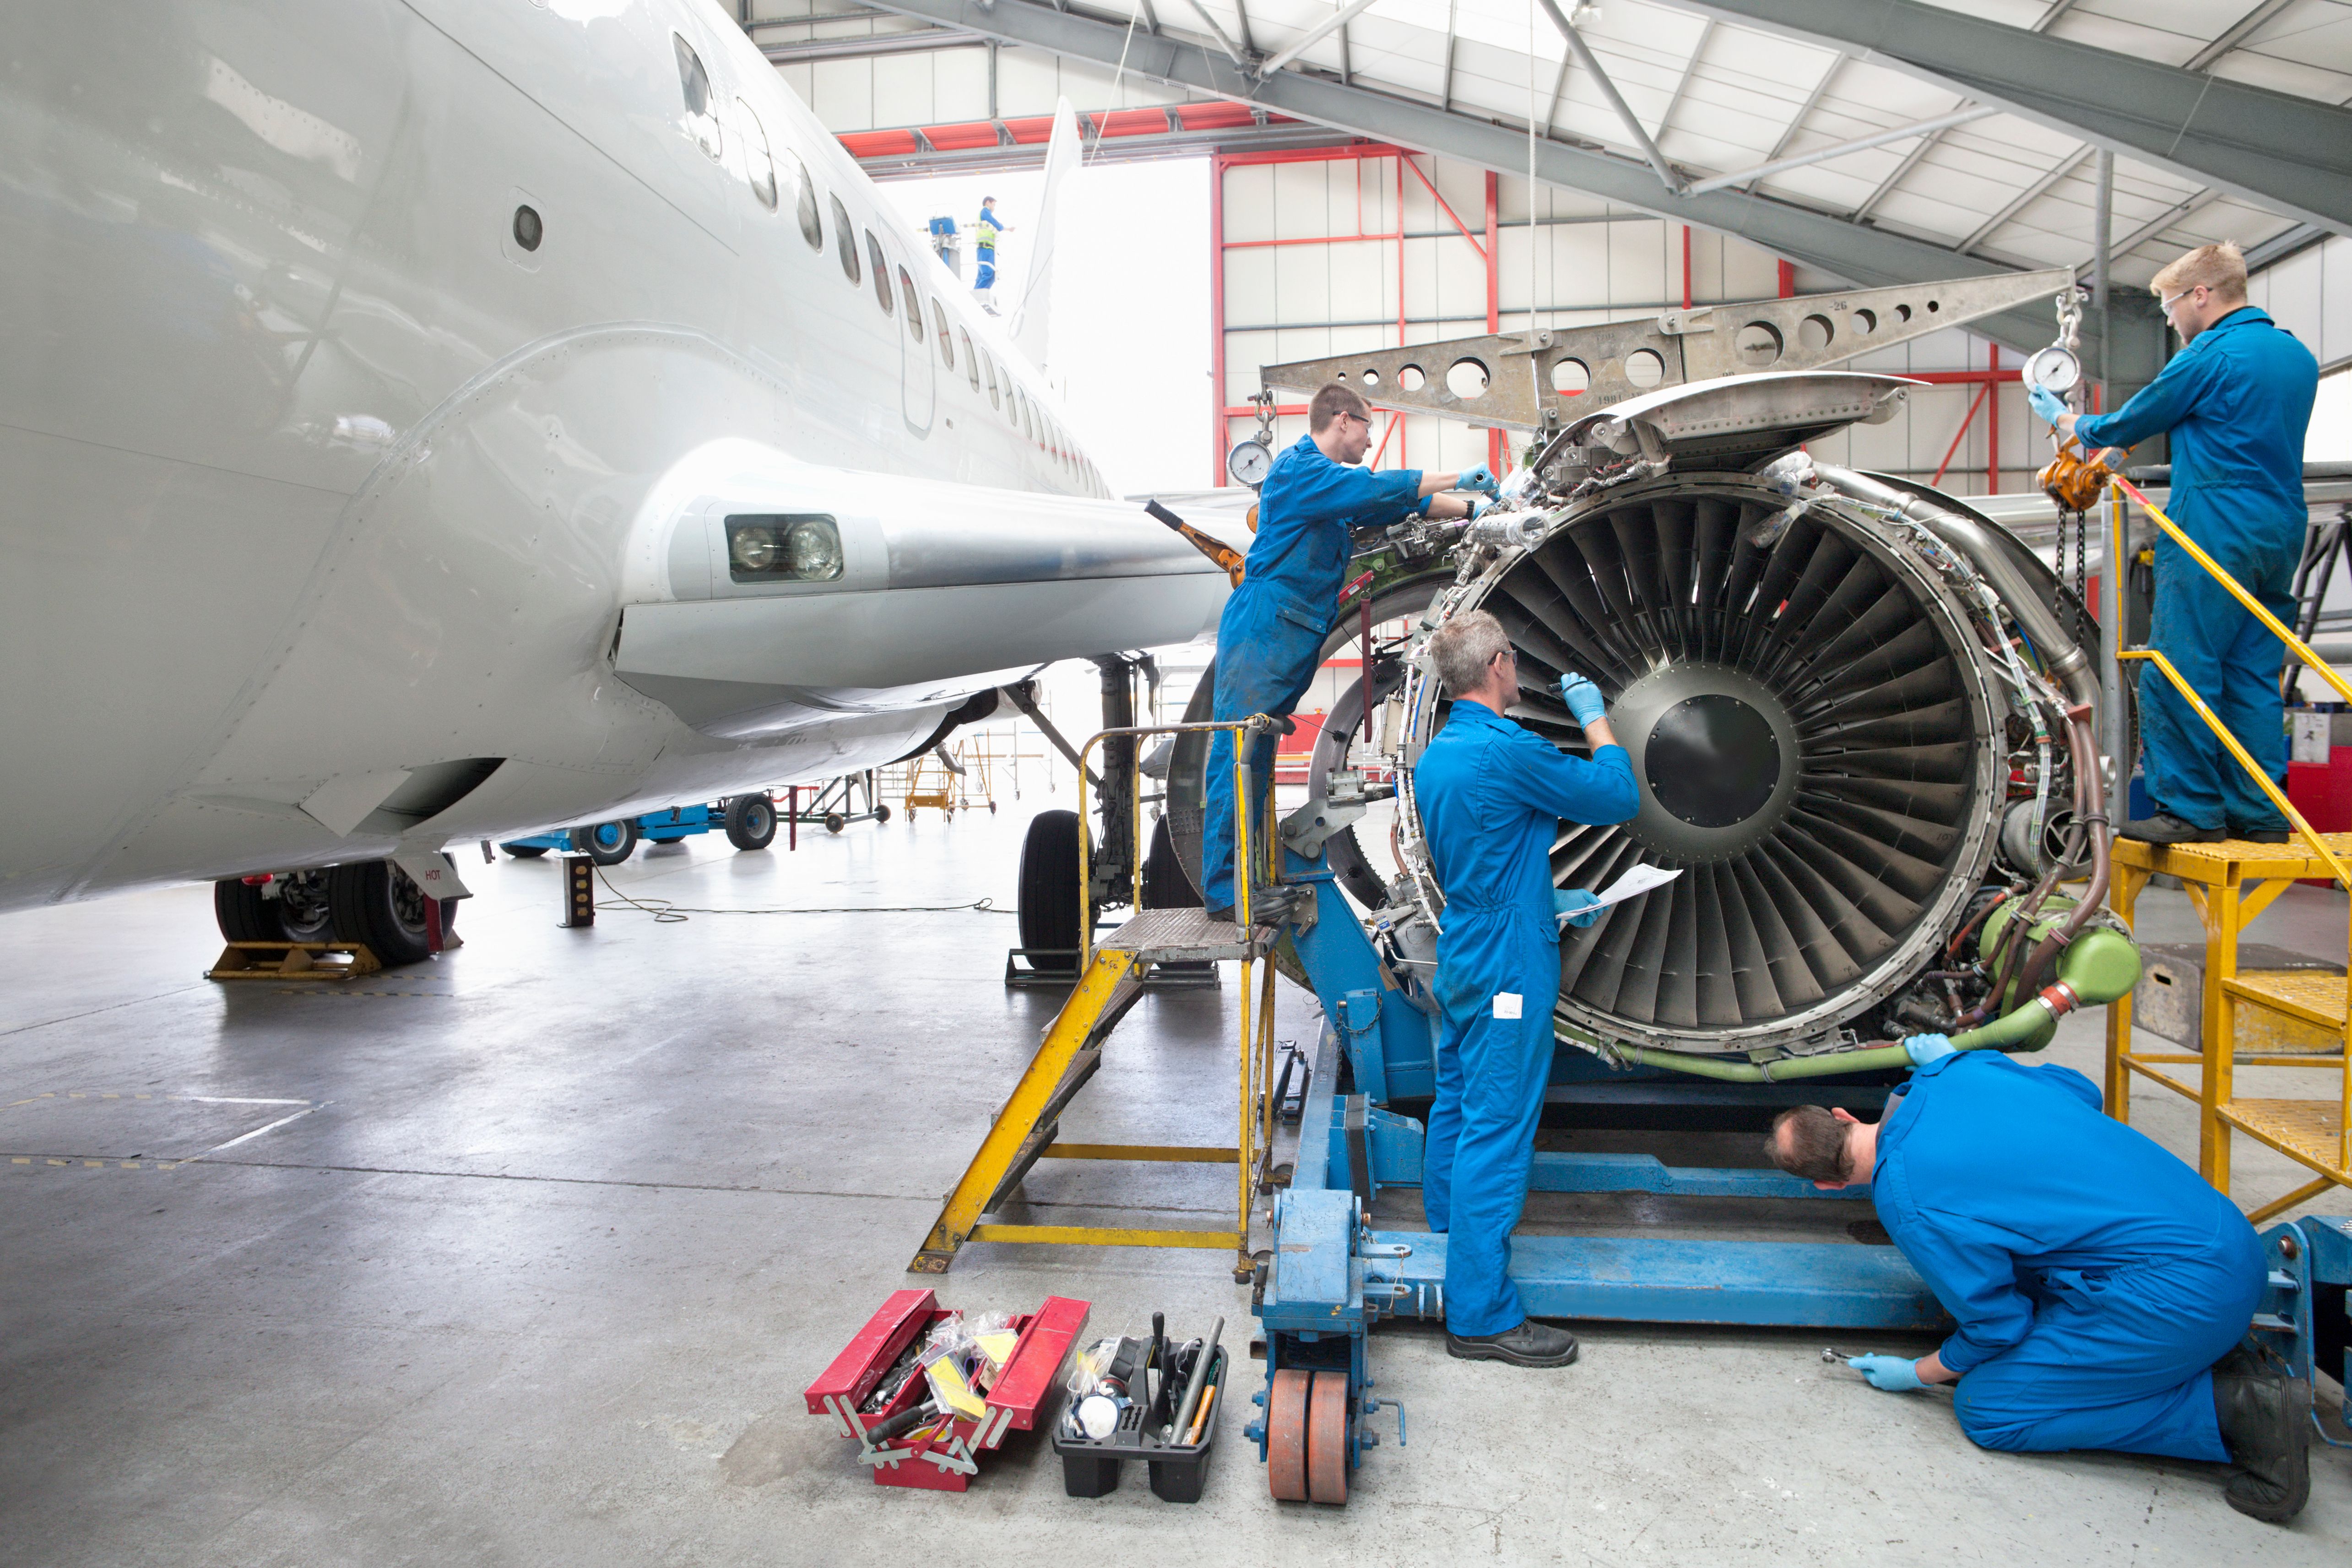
1270,636
2101,1288
2235,401
985,229
1492,797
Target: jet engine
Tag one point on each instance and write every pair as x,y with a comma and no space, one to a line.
1860,714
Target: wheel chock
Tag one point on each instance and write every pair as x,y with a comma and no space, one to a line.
294,961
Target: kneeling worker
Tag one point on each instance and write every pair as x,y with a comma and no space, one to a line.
1492,795
1270,638
2102,1288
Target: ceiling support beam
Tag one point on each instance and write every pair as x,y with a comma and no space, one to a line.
923,42
1863,254
1901,172
2026,198
1316,35
2237,32
1583,52
2195,201
1839,149
2293,155
1218,33
1682,83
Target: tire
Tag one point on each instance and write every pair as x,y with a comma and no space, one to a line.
525,851
751,822
607,843
298,913
835,822
881,814
1165,884
373,901
1049,882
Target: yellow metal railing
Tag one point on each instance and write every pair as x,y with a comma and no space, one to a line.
2226,906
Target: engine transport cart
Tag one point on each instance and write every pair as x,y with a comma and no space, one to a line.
748,820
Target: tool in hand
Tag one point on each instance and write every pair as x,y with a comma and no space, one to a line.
1228,559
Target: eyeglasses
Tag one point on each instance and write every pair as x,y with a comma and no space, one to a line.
2164,307
1364,419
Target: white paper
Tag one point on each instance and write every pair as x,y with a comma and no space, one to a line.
1640,880
1507,1003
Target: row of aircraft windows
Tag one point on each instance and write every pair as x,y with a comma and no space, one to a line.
761,166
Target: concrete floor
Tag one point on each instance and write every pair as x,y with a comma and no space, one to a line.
525,1256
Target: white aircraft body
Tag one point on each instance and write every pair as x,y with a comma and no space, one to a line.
431,420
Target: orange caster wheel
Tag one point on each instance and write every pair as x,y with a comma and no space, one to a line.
1285,1436
1326,1439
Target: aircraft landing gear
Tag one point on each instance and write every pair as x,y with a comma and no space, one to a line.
290,906
370,901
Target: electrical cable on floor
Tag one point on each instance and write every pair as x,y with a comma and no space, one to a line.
665,912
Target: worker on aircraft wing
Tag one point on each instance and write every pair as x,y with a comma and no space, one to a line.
2236,400
1270,638
1492,797
2101,1290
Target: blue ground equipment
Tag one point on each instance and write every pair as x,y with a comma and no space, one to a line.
748,820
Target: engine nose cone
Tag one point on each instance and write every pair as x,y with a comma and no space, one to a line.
1713,760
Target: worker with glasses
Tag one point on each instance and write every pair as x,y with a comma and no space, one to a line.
1312,502
2235,401
1492,797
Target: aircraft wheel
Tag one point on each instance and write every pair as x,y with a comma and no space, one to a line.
1049,882
751,822
298,913
374,902
607,843
1326,1439
1286,1436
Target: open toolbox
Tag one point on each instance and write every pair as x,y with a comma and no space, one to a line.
939,1452
1090,1464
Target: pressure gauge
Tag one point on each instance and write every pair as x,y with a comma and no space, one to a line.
1249,461
2053,369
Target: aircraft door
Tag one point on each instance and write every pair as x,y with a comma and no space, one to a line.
918,371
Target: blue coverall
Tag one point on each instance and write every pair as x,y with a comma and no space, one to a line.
1492,797
1270,636
2095,1277
2236,401
985,229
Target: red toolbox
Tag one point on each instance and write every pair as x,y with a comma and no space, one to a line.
944,1458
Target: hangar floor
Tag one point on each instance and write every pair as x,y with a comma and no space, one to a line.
525,1256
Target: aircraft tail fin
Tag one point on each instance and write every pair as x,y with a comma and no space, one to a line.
1031,321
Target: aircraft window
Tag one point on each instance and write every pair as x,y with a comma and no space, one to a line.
947,342
701,117
758,166
971,360
844,240
812,229
993,401
914,307
799,547
881,270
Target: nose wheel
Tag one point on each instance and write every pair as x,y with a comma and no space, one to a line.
1306,1436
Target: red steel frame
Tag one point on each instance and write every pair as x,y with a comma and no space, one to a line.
1220,435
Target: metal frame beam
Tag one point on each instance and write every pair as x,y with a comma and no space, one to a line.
1839,149
1584,57
1316,35
2293,154
1860,254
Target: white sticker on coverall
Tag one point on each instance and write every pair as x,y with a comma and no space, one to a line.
1507,1003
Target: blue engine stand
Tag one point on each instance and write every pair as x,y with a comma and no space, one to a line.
1330,1276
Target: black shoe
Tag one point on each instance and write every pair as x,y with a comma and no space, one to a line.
1271,906
1529,1344
2265,1423
2259,834
1221,915
2166,828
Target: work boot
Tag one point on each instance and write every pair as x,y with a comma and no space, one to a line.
2265,1424
2166,828
2259,834
1529,1344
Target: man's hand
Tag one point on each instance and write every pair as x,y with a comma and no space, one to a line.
1584,701
1480,478
1926,1048
1568,901
1895,1374
2044,402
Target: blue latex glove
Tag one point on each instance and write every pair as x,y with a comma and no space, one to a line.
1481,505
1566,901
2045,402
1480,478
1926,1048
1895,1374
1583,699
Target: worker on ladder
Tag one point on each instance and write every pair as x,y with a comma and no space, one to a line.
2235,402
985,229
1270,638
2101,1290
1492,798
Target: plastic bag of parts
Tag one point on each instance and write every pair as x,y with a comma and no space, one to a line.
1097,1383
963,1356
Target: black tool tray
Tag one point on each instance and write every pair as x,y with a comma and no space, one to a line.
1090,1466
